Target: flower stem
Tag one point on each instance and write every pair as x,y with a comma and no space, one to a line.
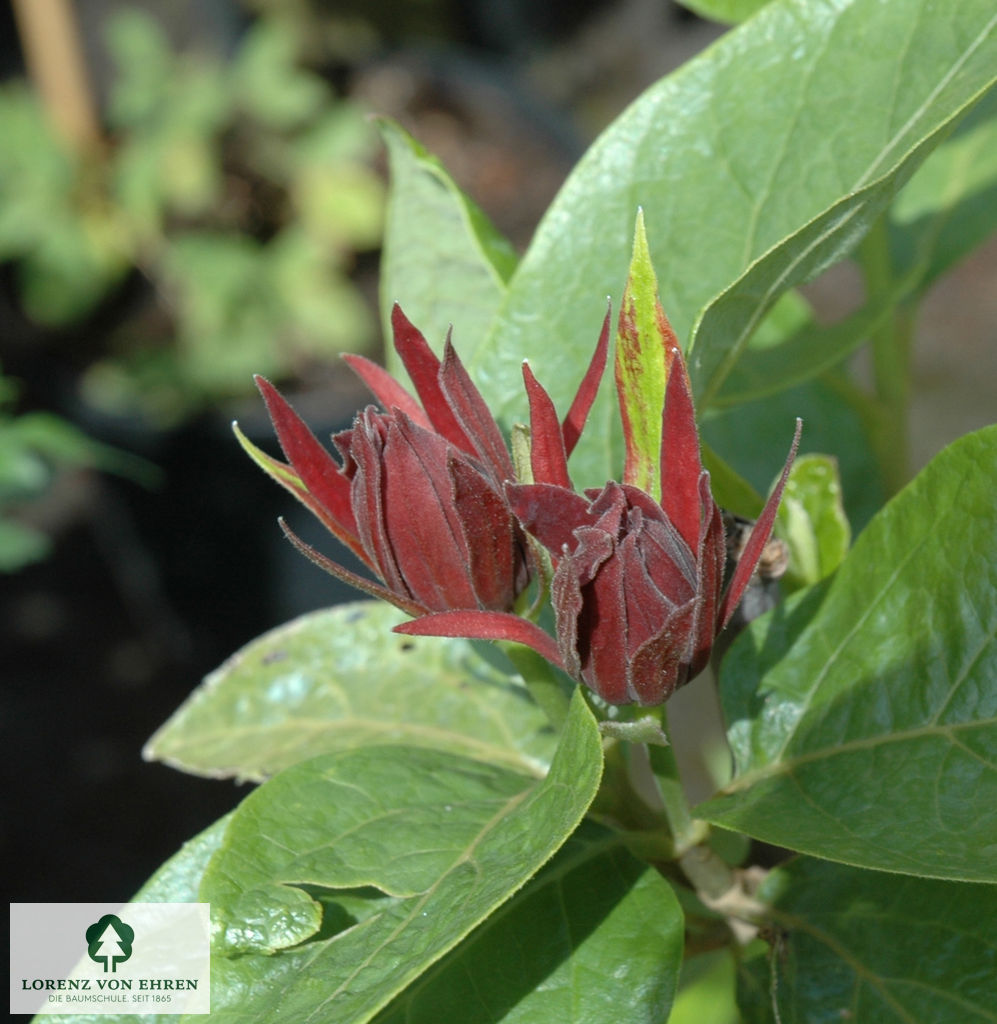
708,873
891,362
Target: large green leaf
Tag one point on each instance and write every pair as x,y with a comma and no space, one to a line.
852,945
597,936
947,209
950,205
443,261
863,716
339,679
406,850
757,163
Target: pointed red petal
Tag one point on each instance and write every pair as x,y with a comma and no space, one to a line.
386,389
549,513
681,465
548,457
758,539
474,416
424,368
341,573
578,413
478,625
316,468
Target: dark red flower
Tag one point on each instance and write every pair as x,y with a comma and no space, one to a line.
638,587
418,495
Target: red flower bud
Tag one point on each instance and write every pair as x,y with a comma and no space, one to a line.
638,587
419,494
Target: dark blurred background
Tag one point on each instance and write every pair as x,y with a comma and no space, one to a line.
191,193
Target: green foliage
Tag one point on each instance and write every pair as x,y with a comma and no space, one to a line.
241,189
553,952
874,692
331,823
290,695
34,447
732,224
812,520
427,844
864,946
443,262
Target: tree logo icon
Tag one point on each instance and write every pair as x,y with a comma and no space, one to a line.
109,942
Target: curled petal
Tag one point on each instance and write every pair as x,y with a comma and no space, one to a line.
424,369
658,667
421,524
549,512
474,416
367,496
710,559
493,551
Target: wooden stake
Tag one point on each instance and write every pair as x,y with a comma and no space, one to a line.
54,56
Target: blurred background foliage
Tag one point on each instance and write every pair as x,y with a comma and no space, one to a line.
240,189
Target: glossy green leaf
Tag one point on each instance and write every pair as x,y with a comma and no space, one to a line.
863,716
950,206
443,261
812,521
850,96
596,936
852,945
944,211
416,847
339,679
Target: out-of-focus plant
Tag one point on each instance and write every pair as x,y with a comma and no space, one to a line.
240,189
34,448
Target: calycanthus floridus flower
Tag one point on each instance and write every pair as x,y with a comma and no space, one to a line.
638,586
418,493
